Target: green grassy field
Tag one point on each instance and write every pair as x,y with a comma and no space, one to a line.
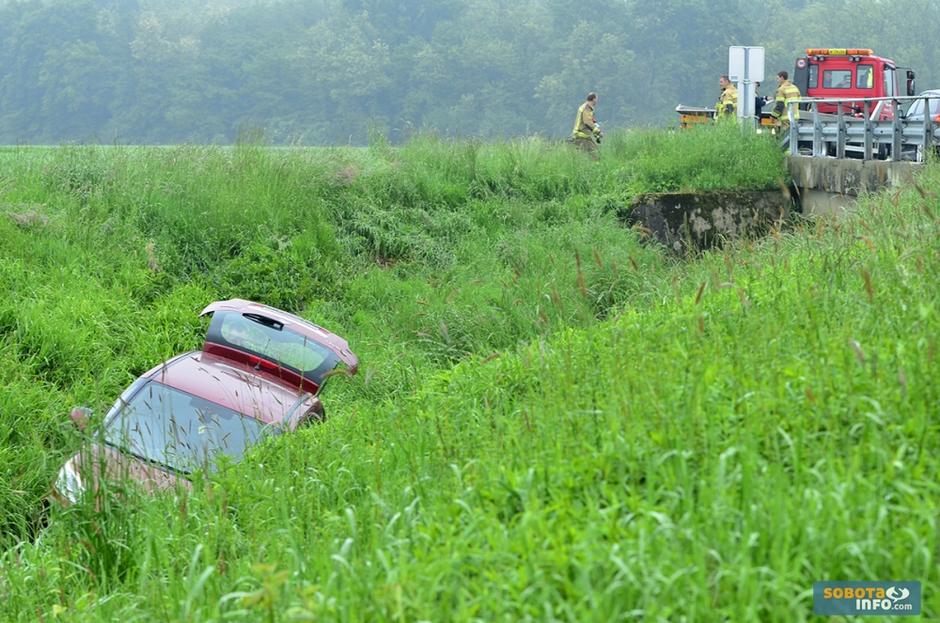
553,420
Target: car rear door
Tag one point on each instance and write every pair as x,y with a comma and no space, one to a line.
274,341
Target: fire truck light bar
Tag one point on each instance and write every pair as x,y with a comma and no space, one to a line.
839,51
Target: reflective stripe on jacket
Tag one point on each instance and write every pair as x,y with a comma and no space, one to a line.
584,122
727,105
786,93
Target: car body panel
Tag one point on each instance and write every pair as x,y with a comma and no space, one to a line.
236,386
117,466
120,466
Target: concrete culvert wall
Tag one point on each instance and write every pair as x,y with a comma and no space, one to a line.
830,186
684,221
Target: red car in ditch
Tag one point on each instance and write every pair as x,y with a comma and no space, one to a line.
259,373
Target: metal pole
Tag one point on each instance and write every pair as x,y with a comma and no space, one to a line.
928,130
817,131
897,131
868,136
744,83
794,130
840,141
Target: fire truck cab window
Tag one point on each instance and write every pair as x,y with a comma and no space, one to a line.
837,79
864,77
813,76
889,81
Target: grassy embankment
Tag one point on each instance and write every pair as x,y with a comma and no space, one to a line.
551,421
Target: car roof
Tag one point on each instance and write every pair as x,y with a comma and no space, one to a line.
236,386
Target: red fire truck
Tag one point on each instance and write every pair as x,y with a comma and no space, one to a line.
848,73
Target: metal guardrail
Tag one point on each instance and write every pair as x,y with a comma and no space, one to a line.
861,131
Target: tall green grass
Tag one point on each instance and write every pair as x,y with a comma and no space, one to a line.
108,254
552,422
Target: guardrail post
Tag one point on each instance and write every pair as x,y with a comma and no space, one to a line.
928,131
868,137
817,131
840,141
896,132
794,130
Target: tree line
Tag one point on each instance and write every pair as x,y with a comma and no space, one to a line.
333,71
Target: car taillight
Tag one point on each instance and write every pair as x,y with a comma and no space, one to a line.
263,364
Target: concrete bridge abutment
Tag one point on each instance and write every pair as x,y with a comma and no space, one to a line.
828,186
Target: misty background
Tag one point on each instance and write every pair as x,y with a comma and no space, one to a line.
335,71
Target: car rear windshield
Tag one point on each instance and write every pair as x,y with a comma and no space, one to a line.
180,431
274,342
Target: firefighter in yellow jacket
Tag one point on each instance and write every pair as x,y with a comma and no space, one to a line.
787,93
727,106
586,133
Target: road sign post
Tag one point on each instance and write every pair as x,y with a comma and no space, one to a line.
745,69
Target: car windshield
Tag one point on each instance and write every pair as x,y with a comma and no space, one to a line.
180,431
